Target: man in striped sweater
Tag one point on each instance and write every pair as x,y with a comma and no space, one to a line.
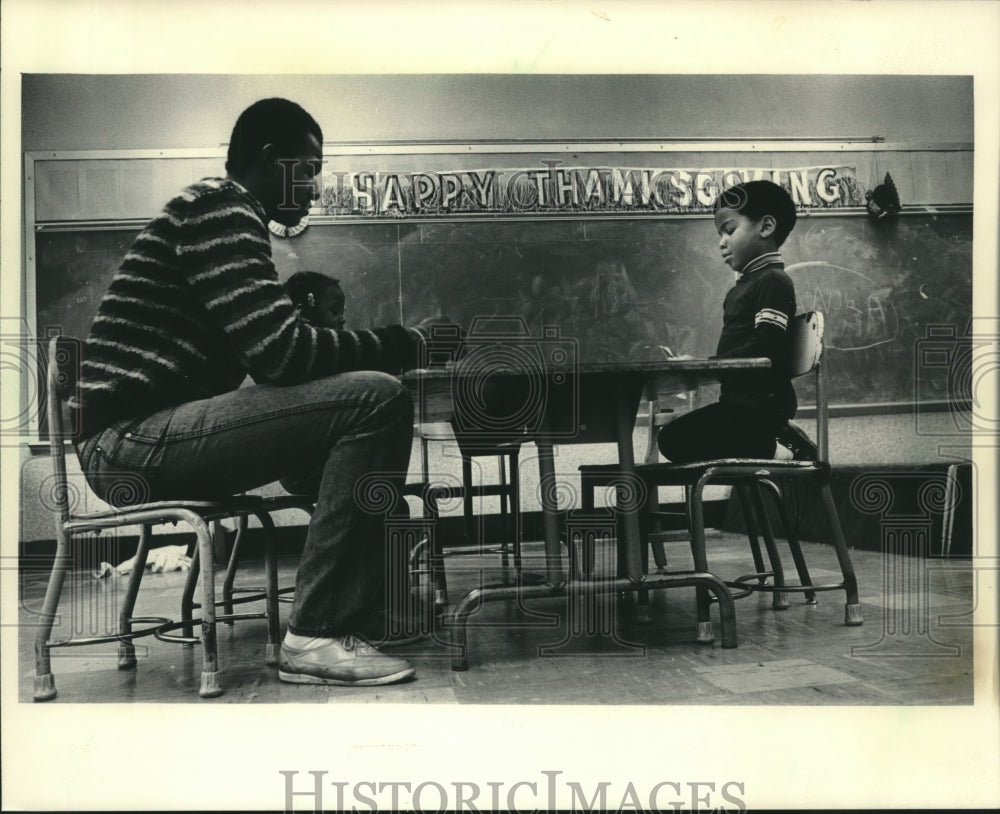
194,308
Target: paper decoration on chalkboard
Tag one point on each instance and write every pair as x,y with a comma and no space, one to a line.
281,230
883,201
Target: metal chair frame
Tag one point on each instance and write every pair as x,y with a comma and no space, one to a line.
201,516
432,493
748,475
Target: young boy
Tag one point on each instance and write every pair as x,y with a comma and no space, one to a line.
752,219
318,299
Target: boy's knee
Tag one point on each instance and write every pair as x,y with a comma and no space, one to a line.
679,440
667,441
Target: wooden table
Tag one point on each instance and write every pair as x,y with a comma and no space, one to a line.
568,404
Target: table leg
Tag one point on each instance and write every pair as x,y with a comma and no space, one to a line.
629,549
550,510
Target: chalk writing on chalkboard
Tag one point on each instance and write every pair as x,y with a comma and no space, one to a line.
859,313
881,286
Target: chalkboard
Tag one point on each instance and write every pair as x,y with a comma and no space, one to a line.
622,287
885,289
617,287
72,272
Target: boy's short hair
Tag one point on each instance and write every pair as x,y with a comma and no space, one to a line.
758,198
274,121
303,283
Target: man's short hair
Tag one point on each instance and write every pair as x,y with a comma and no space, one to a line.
758,198
280,122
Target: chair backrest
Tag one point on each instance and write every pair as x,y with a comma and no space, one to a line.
806,336
62,375
806,355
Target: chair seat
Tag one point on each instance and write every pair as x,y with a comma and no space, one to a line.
724,470
666,467
744,463
274,502
598,468
205,507
445,432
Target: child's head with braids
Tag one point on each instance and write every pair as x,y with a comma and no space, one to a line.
318,299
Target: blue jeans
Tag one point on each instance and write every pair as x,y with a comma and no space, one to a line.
335,437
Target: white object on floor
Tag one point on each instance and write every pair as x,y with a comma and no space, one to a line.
165,558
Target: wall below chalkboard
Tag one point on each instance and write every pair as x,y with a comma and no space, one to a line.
617,287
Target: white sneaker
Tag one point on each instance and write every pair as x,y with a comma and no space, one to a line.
394,630
348,661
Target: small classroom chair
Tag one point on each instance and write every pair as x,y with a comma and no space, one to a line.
747,476
201,516
229,587
487,336
507,489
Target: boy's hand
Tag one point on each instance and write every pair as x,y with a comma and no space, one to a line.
675,357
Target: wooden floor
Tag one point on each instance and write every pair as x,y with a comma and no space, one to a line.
915,646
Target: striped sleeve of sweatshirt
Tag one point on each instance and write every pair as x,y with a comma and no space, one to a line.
196,305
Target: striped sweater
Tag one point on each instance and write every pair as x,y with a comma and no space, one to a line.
196,305
755,317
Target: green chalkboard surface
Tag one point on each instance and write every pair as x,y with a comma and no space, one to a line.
616,287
